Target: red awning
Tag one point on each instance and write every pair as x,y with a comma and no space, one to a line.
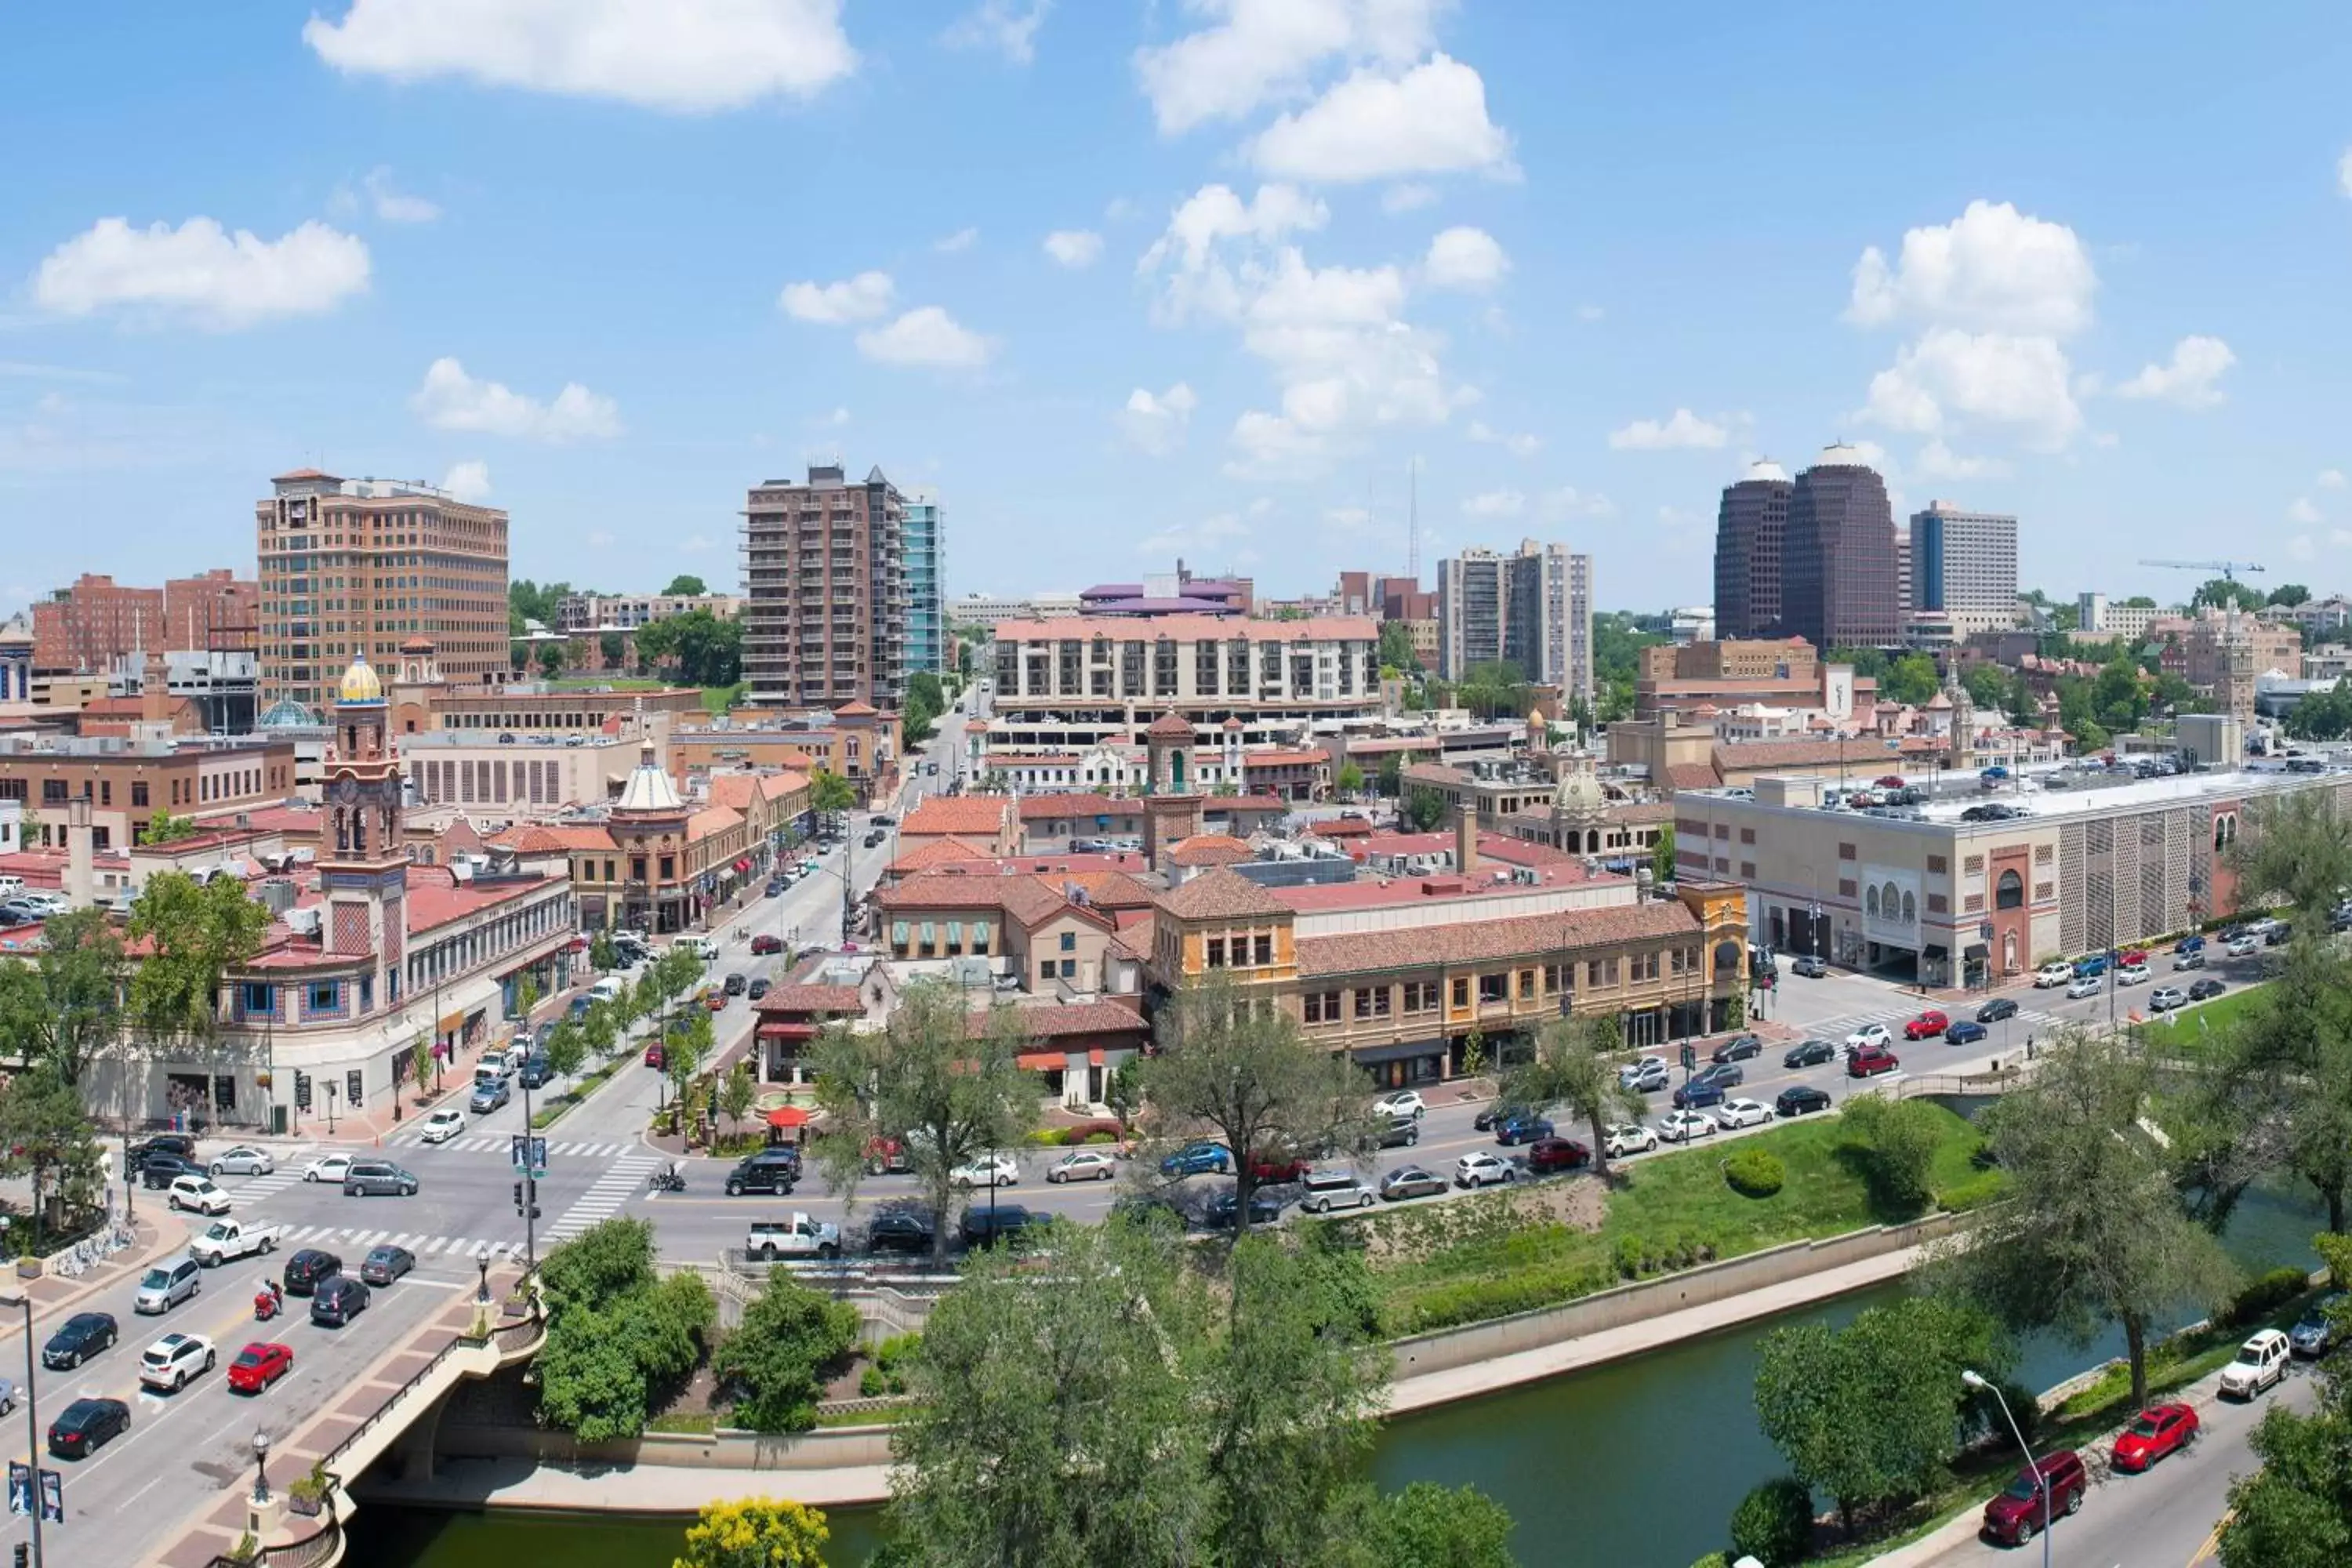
1041,1061
786,1117
742,867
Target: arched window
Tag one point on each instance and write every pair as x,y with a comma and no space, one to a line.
2009,893
1910,908
1870,901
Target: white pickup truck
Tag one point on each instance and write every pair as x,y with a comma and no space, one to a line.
799,1236
227,1238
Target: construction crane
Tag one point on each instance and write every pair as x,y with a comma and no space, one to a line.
2228,569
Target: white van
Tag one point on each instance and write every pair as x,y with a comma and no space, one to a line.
11,886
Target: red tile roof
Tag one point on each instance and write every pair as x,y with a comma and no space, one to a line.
1031,900
1208,849
1168,726
1221,894
935,852
1692,775
1285,757
811,999
1216,803
1134,942
1103,1016
856,708
984,815
1477,942
1053,807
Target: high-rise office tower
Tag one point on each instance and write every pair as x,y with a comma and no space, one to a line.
1532,609
1750,532
359,566
824,592
1838,582
1964,564
927,630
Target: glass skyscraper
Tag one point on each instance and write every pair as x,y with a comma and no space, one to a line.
926,557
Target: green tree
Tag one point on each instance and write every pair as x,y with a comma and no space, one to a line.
918,714
619,1336
603,956
2092,1231
164,828
567,1049
1988,685
929,1081
772,1367
2323,715
2290,594
1569,1068
1432,1526
1910,679
2224,592
65,1009
737,1095
1663,864
1424,809
755,1532
420,1062
1396,647
1391,776
685,585
2273,1087
550,658
1774,1522
1350,780
1895,1141
1243,1071
2296,1512
45,1135
613,646
2294,846
1869,1414
830,794
195,934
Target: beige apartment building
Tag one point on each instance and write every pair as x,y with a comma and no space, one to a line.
825,577
354,567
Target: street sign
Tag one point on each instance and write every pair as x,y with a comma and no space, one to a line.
529,1147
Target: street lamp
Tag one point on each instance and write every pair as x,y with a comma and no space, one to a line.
32,1422
260,1468
1977,1383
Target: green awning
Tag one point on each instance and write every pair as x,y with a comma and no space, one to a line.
898,932
979,932
955,933
928,934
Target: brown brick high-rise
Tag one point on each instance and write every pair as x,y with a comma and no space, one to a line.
1839,585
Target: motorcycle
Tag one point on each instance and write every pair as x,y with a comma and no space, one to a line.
267,1304
672,1180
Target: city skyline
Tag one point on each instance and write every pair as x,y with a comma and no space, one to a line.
1241,300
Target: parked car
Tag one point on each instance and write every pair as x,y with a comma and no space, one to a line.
2132,974
338,1300
773,1172
166,1285
378,1179
1399,1102
995,1170
899,1230
985,1225
307,1269
2085,986
1868,1035
2054,974
1323,1190
1698,1092
1801,1099
1737,1048
244,1160
1482,1168
2012,1517
77,1339
1522,1129
799,1236
2244,946
161,1168
1198,1159
1264,1209
1735,1113
84,1426
443,1125
1965,1031
2200,990
1410,1182
1811,966
2261,1363
1399,1132
382,1264
2165,998
258,1366
1682,1126
1626,1138
1083,1165
1926,1026
1870,1061
198,1194
1809,1053
2194,959
2155,1432
169,1362
1547,1156
1647,1075
1994,1011
2314,1332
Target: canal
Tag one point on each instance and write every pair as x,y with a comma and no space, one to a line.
1641,1462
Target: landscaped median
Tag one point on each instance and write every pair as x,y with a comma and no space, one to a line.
1521,1248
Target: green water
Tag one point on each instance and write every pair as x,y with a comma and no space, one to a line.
1622,1467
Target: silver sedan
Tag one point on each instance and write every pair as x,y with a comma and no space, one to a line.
244,1160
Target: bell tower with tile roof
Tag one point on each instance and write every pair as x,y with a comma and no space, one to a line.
363,864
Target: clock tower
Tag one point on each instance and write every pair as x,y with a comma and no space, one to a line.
363,865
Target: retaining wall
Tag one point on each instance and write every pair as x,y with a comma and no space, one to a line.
827,1448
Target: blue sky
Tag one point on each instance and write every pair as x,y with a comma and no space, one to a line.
1125,281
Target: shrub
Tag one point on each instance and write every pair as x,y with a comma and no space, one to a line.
2265,1295
1755,1173
1713,1560
1981,1420
1982,1188
1774,1523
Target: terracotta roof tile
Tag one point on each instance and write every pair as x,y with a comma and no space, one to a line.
1170,727
933,852
1221,894
1134,942
1054,807
1102,1016
1692,775
1474,941
985,815
1208,849
811,999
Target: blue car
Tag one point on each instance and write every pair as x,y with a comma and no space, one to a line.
1197,1159
1698,1094
1966,1032
2191,943
2090,967
1521,1129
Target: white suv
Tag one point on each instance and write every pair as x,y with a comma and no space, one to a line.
197,1193
2056,972
2261,1363
1476,1170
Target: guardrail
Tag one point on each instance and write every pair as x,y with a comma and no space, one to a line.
321,1545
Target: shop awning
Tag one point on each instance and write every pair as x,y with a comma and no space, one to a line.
784,1118
742,867
1042,1061
454,1021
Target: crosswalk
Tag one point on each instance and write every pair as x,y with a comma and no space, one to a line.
503,1142
604,1196
2028,1020
358,1238
258,1187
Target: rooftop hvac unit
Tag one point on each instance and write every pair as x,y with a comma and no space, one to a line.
307,922
276,894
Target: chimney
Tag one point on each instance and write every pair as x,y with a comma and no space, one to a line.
80,884
1466,839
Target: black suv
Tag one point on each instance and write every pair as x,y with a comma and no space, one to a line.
898,1230
306,1267
161,1167
986,1225
735,984
774,1172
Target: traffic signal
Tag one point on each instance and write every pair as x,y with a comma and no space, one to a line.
24,1554
520,1203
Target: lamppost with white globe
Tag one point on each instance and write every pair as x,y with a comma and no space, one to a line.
260,1468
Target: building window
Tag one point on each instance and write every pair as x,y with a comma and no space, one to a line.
1937,904
1069,969
53,792
1372,1002
1461,991
1320,1007
1215,952
1645,966
1069,941
1846,852
1973,866
1527,984
636,867
1045,969
1494,988
322,997
258,997
1262,950
1937,866
1846,887
668,868
2008,892
139,792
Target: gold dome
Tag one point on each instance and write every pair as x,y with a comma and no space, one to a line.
360,683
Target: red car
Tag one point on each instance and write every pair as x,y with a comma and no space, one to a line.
1926,1026
2158,1430
1892,780
1264,1168
1546,1155
766,943
2135,958
656,1058
1869,1061
258,1366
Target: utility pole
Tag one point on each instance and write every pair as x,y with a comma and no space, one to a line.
847,850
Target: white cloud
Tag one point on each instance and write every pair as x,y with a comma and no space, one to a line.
1001,24
1465,257
1568,502
688,56
834,420
1954,378
2189,380
1405,199
1519,445
1348,520
1682,429
1073,247
2340,537
1210,538
1155,422
858,299
393,207
1212,215
1257,51
925,336
469,482
961,239
2344,172
1495,503
2300,510
600,539
201,273
1937,461
1431,120
1589,312
1992,268
450,399
2331,479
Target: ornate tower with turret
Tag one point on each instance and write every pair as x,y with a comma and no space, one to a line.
1171,804
363,865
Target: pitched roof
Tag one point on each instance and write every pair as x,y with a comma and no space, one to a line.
1221,894
857,708
590,837
1216,803
811,999
1169,726
1208,849
985,815
1052,808
1030,900
1102,1016
1692,775
1473,942
1134,942
945,851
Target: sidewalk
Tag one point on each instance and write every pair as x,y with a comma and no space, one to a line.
550,1487
162,1233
